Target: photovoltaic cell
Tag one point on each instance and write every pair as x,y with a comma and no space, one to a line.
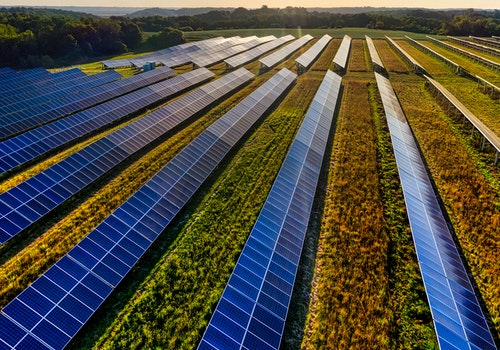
29,145
458,319
55,307
66,178
252,311
278,56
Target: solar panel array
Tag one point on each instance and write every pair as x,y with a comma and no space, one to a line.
252,311
340,59
11,81
417,68
493,41
475,46
252,54
458,319
278,56
50,312
29,145
173,50
473,56
486,132
378,66
31,200
52,92
458,69
307,58
34,88
52,109
41,81
220,55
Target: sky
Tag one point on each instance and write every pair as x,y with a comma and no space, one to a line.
483,4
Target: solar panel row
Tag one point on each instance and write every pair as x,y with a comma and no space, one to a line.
417,68
458,319
475,46
202,56
169,50
340,59
487,133
252,54
378,66
53,309
218,56
471,55
35,97
308,57
278,56
36,86
29,145
49,110
490,42
34,198
458,69
252,311
23,77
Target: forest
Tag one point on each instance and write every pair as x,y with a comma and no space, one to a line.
49,38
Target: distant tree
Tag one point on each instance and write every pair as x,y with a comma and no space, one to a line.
166,38
131,34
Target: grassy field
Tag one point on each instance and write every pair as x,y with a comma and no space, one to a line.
359,285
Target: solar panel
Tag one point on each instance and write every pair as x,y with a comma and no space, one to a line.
308,57
458,319
250,55
340,59
252,311
55,307
34,143
23,77
378,66
417,68
458,69
473,56
34,198
47,110
54,91
43,82
218,56
278,56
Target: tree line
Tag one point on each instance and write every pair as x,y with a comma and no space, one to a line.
34,37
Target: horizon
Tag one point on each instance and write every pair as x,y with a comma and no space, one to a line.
377,4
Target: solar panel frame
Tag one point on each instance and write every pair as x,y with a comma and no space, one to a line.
440,263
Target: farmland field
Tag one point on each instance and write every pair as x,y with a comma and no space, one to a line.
359,284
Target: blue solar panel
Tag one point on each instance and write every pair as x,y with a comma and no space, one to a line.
34,85
278,56
34,143
55,306
458,319
31,99
252,310
34,198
